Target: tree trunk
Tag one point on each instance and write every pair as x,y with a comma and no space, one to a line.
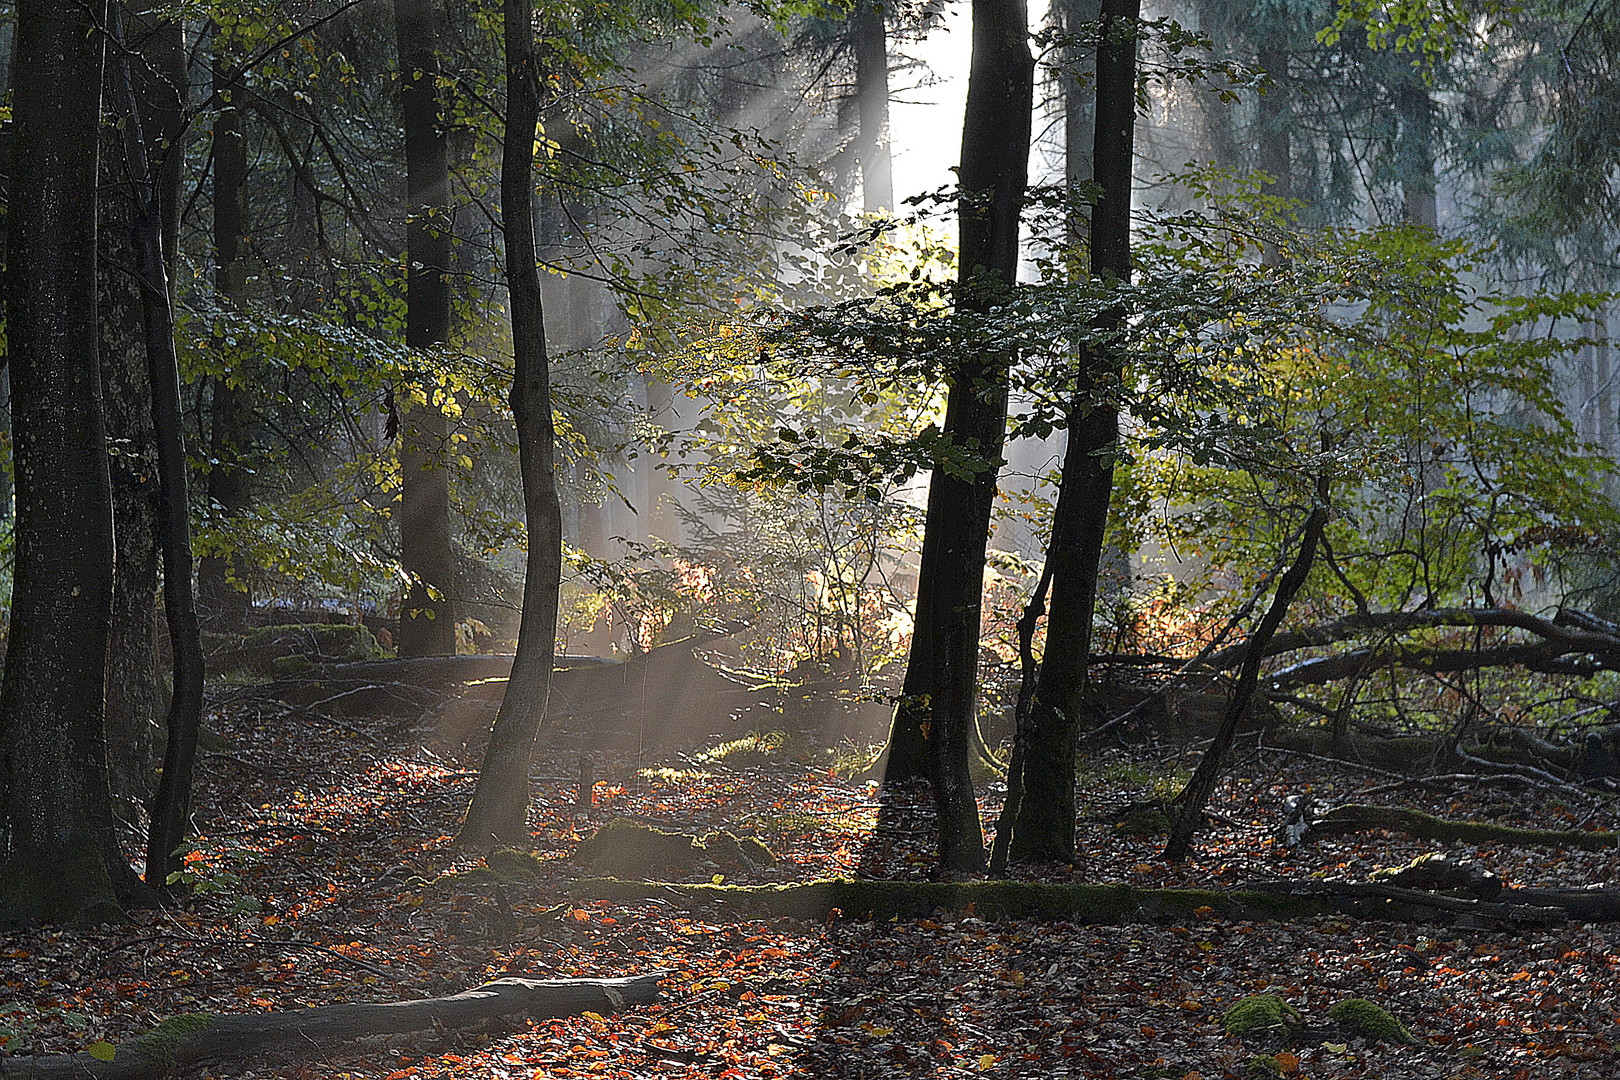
500,805
134,706
58,855
427,622
1276,118
1190,803
223,598
1044,829
868,33
134,688
935,723
1416,151
172,806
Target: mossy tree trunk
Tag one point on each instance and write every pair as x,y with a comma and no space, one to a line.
500,805
59,858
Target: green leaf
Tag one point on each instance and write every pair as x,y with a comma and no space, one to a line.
102,1050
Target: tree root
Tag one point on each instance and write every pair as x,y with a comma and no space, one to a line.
182,1040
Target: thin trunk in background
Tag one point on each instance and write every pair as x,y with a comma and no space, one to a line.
500,805
221,579
427,623
1044,826
936,724
1189,804
59,856
869,35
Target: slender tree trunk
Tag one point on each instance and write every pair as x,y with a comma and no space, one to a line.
500,804
936,722
134,685
427,622
222,597
59,858
1195,796
869,35
1044,829
172,805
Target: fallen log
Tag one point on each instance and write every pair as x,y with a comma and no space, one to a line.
1106,905
1352,817
183,1040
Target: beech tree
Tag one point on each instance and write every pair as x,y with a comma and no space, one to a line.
936,723
500,803
59,857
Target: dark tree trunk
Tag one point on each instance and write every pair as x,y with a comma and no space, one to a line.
427,623
134,688
221,579
1190,803
500,805
869,35
172,805
936,722
59,858
1044,828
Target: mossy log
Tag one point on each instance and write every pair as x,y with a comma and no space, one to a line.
1261,901
183,1040
1352,817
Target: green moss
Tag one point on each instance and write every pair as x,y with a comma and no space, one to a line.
624,848
294,664
1358,1016
1260,1014
1265,1065
268,649
161,1043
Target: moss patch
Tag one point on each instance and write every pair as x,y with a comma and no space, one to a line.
290,649
1358,1016
161,1042
1261,1014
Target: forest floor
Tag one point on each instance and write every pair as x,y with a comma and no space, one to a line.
319,836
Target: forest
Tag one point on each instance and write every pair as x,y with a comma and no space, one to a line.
824,538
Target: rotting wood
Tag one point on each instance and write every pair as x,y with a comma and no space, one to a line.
184,1040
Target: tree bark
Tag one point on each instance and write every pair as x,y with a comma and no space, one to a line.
221,578
134,708
500,805
59,858
427,622
869,35
1044,829
185,1040
935,723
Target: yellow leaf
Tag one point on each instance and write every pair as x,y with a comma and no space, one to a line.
987,1062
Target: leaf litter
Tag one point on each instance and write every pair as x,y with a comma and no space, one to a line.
325,872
